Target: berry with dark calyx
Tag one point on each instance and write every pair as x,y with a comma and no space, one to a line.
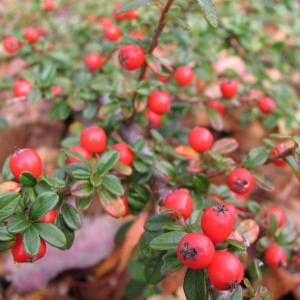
11,44
225,271
217,223
195,250
231,207
25,160
240,181
159,102
93,139
181,202
80,150
229,88
200,139
56,89
275,256
131,57
217,106
280,162
19,253
105,22
94,61
22,88
49,217
277,212
49,5
31,34
266,105
184,75
112,32
153,119
126,155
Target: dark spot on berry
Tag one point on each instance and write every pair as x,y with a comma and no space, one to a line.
232,285
188,253
241,183
122,59
221,209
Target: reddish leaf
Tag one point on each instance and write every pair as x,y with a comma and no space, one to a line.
225,145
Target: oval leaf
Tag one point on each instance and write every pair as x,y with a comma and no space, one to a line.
71,216
167,241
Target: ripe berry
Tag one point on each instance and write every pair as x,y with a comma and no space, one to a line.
80,150
132,14
49,5
153,119
126,155
163,79
22,88
240,181
180,201
137,35
159,102
280,162
184,75
200,139
121,16
31,34
112,33
19,253
277,212
266,105
49,217
232,209
229,88
93,139
131,57
94,61
195,250
25,160
56,90
105,22
255,94
11,44
217,223
217,106
275,256
225,271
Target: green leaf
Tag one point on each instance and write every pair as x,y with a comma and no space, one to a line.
27,179
51,233
71,216
84,203
68,233
3,123
81,174
158,223
6,172
257,156
133,4
5,236
6,245
31,241
194,285
237,294
157,136
8,204
18,223
201,183
113,184
42,205
76,155
167,241
53,181
82,189
236,244
210,13
136,270
153,267
107,161
171,263
264,182
122,232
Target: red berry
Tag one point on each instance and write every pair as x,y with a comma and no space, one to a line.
243,199
280,162
11,44
121,16
195,250
200,139
80,150
49,5
266,105
277,212
181,202
19,253
22,88
159,102
25,160
255,94
217,223
275,256
31,34
137,35
240,181
163,79
126,155
217,106
229,88
94,61
112,33
93,139
105,22
91,18
56,89
131,57
184,75
232,209
225,271
49,217
132,14
153,119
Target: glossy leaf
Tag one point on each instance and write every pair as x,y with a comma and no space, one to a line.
71,216
167,241
195,285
